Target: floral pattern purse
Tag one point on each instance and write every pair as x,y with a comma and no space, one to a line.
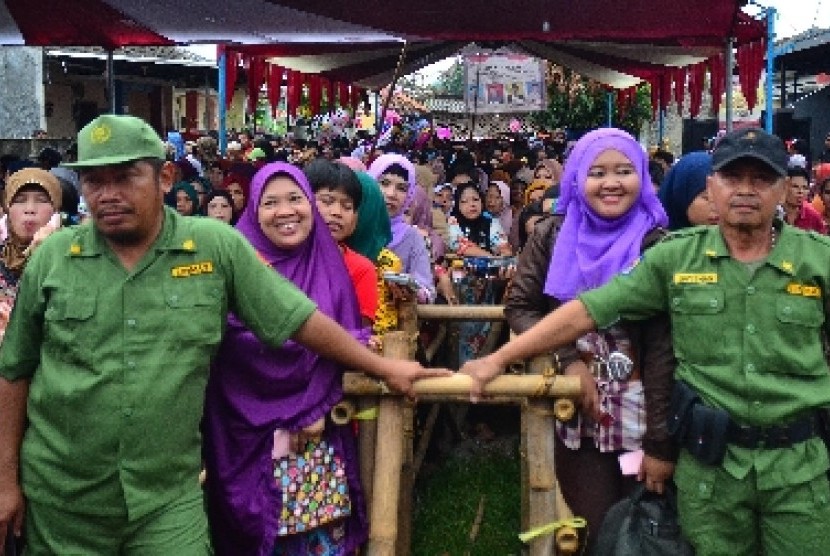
314,487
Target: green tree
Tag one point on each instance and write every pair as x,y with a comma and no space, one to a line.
576,102
451,81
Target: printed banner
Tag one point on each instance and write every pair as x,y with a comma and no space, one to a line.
502,83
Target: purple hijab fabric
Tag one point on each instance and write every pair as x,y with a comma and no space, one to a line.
589,249
376,170
254,390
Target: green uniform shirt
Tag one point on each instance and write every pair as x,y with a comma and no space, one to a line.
118,361
749,344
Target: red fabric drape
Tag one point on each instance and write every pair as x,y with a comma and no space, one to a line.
343,94
665,89
294,92
717,77
654,85
274,87
328,87
679,75
256,78
697,76
231,71
750,59
315,93
357,94
191,110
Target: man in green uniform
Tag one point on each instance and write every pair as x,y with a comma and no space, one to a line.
105,360
748,301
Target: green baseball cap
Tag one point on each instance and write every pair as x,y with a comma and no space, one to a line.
111,139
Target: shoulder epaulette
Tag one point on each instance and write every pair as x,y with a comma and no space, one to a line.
685,232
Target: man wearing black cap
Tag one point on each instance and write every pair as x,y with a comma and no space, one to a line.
748,301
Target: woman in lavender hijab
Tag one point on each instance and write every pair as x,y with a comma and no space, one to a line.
396,177
263,405
609,214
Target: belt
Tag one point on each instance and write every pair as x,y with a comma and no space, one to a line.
782,436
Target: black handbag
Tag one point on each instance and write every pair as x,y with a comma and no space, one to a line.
644,524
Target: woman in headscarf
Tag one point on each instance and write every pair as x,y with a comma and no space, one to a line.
370,238
683,192
219,205
608,213
549,170
419,214
238,185
31,198
267,409
497,203
185,199
396,177
472,233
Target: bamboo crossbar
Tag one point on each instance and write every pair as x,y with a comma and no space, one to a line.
358,384
461,312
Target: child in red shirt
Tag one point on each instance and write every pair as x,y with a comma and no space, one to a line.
338,193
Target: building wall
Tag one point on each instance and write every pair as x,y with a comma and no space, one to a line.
67,96
21,91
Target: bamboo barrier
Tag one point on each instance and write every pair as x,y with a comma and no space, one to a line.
383,526
460,312
515,386
388,473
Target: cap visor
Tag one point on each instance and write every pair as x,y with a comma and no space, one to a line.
106,161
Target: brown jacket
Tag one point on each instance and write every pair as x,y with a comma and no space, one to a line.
526,304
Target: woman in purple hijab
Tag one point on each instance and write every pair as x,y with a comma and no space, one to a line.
609,215
265,405
396,177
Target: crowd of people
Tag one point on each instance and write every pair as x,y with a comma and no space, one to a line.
153,342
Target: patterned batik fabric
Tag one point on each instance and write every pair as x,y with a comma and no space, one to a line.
622,403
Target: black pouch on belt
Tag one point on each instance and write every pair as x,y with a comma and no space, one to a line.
707,435
683,398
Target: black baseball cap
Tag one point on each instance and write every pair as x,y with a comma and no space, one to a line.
751,143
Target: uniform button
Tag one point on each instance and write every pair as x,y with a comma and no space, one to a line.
675,301
703,487
756,404
174,298
750,328
750,290
713,303
131,364
130,322
787,309
750,367
128,412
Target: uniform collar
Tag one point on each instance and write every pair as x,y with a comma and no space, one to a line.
780,256
174,237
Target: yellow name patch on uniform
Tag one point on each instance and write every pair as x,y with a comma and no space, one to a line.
194,269
806,291
695,278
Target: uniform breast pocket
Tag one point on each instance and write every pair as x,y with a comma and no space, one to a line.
69,326
697,314
799,321
196,309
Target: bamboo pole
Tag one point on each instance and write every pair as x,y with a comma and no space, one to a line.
357,384
461,312
383,527
540,488
367,431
